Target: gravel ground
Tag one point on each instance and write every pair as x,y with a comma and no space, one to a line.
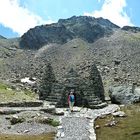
80,125
75,128
29,126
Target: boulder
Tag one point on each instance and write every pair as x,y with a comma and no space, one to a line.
59,111
16,119
119,114
124,95
111,123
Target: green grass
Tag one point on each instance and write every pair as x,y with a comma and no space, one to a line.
54,123
9,95
48,136
48,121
127,128
3,86
132,37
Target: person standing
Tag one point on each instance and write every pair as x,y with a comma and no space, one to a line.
71,100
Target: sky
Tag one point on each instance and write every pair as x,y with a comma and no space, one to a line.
18,16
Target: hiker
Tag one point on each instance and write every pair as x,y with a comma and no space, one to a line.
71,100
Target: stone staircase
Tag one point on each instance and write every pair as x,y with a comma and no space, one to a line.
94,102
54,98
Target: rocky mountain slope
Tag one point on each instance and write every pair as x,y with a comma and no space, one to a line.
87,28
76,42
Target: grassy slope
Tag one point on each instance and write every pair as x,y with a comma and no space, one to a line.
126,129
49,136
8,95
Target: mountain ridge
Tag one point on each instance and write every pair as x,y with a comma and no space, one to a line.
87,28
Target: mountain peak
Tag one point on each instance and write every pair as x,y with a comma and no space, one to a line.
87,28
132,29
2,37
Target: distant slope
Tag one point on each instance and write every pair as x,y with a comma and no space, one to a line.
117,57
13,42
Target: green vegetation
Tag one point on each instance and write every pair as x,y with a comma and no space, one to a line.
8,94
127,128
3,86
48,121
54,123
48,136
132,37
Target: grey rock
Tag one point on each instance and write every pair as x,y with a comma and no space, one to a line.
110,124
132,29
8,111
124,95
22,104
119,114
16,119
59,112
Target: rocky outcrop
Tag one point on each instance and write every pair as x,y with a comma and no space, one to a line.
37,37
132,29
1,37
16,119
87,28
124,94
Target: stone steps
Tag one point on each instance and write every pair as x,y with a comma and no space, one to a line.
22,104
92,98
94,102
52,99
98,106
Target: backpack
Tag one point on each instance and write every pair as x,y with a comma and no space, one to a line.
72,98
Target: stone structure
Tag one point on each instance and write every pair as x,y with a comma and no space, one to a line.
47,82
89,92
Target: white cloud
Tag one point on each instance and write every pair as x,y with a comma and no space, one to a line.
114,11
18,18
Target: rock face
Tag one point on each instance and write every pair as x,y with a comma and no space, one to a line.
89,92
1,37
87,28
124,95
132,29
